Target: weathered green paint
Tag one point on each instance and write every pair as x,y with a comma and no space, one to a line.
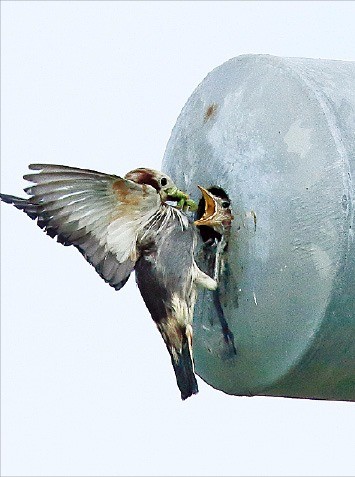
278,134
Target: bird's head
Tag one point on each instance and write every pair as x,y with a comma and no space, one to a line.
217,213
163,184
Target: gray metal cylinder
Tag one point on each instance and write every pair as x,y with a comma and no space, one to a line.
278,135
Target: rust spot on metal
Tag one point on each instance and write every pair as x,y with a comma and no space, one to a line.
210,111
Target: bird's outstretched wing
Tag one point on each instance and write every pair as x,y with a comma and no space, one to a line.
100,214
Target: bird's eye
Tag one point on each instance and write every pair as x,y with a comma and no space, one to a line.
163,181
225,205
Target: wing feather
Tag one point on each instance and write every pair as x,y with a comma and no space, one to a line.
100,214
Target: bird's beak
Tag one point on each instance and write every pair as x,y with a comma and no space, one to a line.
210,208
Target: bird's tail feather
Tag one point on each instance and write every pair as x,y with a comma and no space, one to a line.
184,370
22,204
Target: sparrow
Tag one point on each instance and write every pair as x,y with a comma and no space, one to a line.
120,224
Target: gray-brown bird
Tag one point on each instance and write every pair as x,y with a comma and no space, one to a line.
121,224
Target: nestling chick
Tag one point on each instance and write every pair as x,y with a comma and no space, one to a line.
217,214
218,217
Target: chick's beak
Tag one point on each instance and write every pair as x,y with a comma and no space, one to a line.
210,209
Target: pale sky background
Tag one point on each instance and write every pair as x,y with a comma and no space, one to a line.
87,384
